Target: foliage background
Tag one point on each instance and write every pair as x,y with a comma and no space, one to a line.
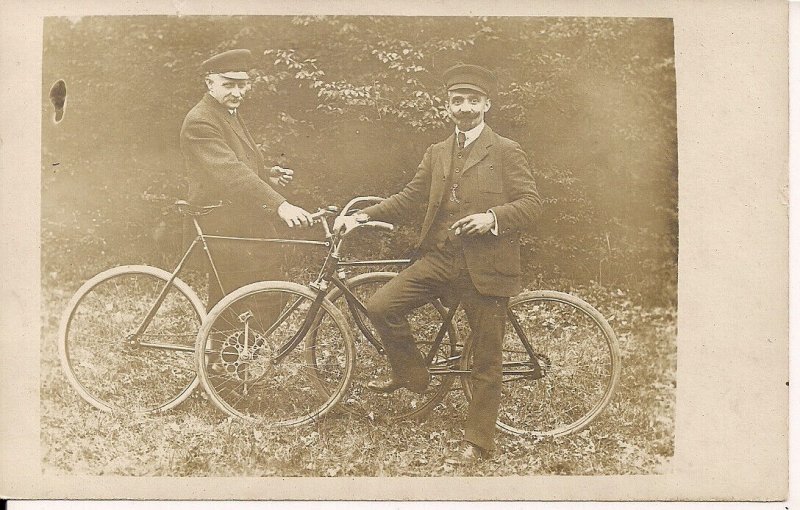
351,103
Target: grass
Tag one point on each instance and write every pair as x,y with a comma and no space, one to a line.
634,435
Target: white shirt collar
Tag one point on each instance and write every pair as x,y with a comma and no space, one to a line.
472,134
232,111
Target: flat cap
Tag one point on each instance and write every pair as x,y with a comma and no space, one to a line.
469,76
232,64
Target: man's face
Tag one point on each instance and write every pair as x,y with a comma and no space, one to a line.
227,91
467,107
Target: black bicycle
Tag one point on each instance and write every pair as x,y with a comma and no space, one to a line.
279,353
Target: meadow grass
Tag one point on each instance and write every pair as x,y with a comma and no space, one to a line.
634,435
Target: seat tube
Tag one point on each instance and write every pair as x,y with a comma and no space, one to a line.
207,252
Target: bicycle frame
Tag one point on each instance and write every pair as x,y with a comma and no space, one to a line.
322,286
200,240
330,275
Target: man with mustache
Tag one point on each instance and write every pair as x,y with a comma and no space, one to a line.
225,165
479,193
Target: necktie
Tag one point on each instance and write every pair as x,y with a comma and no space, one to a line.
462,138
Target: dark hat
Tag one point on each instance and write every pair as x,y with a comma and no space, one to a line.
468,76
232,64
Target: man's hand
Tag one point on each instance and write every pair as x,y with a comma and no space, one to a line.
348,223
279,176
294,216
474,224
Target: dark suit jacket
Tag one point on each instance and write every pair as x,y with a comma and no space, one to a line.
496,176
224,164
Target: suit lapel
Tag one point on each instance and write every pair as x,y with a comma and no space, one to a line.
250,138
230,120
480,150
234,123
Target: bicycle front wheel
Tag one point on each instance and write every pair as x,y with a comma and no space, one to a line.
561,365
116,358
257,363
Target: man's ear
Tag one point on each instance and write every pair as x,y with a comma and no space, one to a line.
488,104
209,82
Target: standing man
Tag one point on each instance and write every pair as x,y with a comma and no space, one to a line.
479,193
224,164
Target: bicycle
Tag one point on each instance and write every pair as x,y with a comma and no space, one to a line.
296,364
126,338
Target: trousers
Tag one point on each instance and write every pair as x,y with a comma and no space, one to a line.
443,271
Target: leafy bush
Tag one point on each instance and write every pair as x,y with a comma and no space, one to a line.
351,103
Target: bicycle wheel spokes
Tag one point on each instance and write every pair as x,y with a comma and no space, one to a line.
402,404
241,370
578,365
113,368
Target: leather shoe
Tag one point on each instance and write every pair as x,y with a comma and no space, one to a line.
469,454
473,453
391,384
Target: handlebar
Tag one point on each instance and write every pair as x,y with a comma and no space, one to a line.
186,208
322,212
356,200
329,211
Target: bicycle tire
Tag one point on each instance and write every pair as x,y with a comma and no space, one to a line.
108,371
238,342
370,363
579,378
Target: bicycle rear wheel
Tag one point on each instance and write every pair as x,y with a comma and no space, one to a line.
107,366
561,365
371,363
238,351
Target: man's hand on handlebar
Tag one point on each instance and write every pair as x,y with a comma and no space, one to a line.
294,216
348,223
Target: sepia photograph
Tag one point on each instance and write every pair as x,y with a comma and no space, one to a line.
358,246
434,251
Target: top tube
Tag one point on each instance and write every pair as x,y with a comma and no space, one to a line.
377,262
267,240
186,208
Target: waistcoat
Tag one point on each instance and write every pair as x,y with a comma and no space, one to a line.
453,206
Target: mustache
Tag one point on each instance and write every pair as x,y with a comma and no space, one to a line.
466,115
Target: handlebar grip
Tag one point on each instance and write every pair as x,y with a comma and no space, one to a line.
381,224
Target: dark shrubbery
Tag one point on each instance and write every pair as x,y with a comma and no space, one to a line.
351,103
